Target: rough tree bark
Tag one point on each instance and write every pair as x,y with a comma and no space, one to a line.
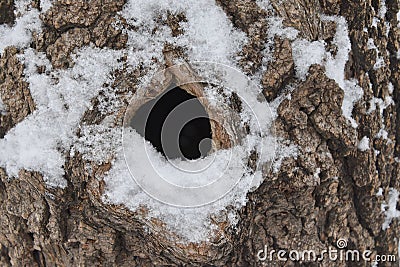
41,226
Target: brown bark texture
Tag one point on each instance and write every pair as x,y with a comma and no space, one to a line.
43,226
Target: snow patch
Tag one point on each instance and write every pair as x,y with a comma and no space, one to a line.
335,68
382,134
375,103
306,53
286,150
97,142
387,28
22,7
382,9
380,62
264,4
276,27
371,44
2,107
375,21
380,192
45,5
39,142
190,224
390,88
398,18
209,34
316,174
363,145
27,21
20,35
390,209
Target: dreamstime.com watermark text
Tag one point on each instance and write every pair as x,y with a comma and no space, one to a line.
340,253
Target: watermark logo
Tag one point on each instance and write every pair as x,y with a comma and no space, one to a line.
334,254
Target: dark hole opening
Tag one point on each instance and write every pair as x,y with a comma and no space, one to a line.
176,124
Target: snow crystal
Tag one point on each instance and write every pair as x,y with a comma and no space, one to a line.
27,22
363,145
22,7
374,102
388,99
390,208
306,53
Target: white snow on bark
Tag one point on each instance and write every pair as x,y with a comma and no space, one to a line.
335,68
306,53
39,142
390,209
363,145
43,140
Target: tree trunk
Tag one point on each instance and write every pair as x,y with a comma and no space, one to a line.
328,192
